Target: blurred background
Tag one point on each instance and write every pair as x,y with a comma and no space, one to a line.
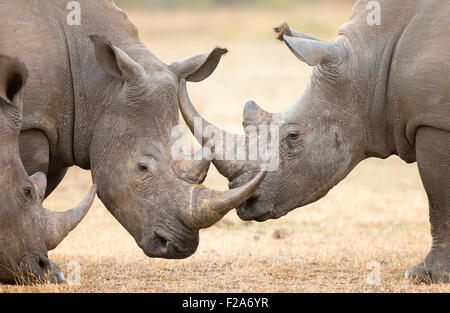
378,214
171,4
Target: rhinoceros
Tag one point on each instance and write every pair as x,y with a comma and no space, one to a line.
97,98
375,91
27,230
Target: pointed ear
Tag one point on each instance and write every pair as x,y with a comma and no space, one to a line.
13,76
116,62
39,180
313,52
254,115
198,68
284,29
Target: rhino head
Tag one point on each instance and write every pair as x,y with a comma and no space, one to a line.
159,200
321,135
27,230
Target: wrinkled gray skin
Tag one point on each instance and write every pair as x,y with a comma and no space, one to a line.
97,98
27,230
375,91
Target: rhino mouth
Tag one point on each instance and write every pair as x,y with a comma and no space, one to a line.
161,244
35,269
255,209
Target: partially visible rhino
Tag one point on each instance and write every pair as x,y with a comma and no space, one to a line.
97,98
27,230
375,91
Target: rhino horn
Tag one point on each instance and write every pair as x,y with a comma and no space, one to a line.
60,224
192,170
254,115
208,206
39,181
227,168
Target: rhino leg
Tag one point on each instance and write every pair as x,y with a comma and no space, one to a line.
34,151
54,178
35,154
433,159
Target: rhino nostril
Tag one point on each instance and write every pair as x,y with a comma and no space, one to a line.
255,209
158,245
252,201
264,217
249,206
162,244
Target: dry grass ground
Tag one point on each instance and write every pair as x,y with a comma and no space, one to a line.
379,213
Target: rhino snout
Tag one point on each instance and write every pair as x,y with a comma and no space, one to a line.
256,209
160,244
37,269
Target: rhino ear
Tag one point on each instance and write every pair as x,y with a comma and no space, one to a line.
284,29
115,61
198,68
39,180
312,51
13,76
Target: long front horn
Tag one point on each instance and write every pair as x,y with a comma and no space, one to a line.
208,206
227,168
60,224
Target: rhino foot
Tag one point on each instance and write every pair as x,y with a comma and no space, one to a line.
433,270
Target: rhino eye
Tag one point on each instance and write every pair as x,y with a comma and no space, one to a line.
27,193
142,167
293,136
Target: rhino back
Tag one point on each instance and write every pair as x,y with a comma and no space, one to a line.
408,55
62,65
35,35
